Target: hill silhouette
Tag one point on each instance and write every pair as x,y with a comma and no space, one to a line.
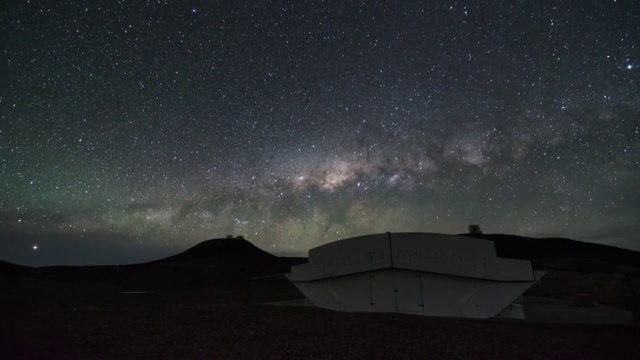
565,254
229,251
211,264
14,269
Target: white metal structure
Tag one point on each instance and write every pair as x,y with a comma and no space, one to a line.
416,273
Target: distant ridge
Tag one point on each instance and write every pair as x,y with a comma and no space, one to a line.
13,269
564,253
5,264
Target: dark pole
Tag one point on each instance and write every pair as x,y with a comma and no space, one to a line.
390,248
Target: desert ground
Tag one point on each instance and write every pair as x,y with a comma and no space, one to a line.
68,320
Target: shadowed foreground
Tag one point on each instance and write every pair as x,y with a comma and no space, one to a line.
42,319
202,303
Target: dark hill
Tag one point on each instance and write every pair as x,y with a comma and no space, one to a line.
566,254
211,264
221,251
13,269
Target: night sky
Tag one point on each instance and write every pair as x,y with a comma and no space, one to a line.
135,129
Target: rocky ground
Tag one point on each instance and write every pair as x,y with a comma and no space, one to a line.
40,319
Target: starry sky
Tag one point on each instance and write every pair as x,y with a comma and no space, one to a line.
134,129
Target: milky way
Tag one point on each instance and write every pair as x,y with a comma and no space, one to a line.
129,130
